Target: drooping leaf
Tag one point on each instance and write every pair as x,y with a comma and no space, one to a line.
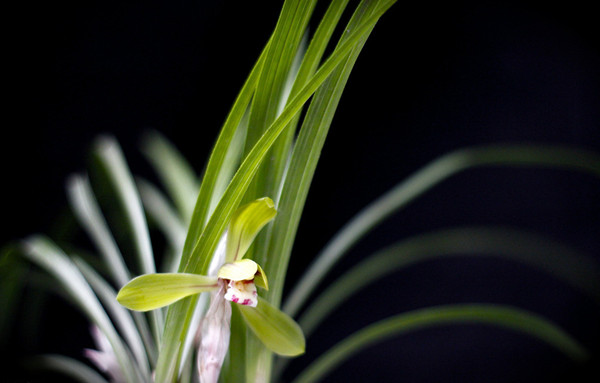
152,291
550,256
49,257
111,157
164,216
138,339
86,209
176,174
280,333
424,179
67,366
503,316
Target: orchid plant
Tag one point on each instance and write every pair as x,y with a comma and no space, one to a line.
202,318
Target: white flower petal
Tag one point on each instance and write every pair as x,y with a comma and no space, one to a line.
242,292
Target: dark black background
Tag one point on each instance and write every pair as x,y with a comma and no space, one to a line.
433,77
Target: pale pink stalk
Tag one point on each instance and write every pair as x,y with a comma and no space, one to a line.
214,338
104,358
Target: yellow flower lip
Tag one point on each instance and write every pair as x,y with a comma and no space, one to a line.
244,270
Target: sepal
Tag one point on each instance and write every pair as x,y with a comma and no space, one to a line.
152,291
245,225
275,329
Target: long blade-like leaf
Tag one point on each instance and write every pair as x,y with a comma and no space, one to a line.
179,314
45,254
88,213
217,161
554,258
67,366
503,316
302,166
175,172
121,317
165,217
423,180
305,157
111,156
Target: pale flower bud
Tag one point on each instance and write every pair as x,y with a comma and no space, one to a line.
214,339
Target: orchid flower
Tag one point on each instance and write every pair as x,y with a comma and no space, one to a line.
235,281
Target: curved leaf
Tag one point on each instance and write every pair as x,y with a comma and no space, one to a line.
421,181
175,173
49,257
504,316
549,256
67,366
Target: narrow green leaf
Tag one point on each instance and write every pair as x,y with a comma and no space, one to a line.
86,209
123,319
550,256
231,161
239,184
198,260
152,291
217,162
245,224
164,216
275,329
278,238
305,158
421,181
280,54
503,316
72,368
176,174
46,255
180,315
110,155
270,95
